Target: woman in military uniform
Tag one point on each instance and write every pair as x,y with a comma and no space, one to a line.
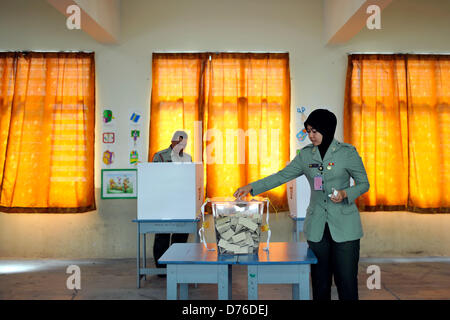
332,224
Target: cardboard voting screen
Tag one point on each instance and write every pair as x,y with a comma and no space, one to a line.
168,190
299,192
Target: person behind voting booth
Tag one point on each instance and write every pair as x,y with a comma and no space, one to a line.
332,224
175,153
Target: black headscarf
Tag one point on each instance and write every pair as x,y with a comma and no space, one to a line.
325,122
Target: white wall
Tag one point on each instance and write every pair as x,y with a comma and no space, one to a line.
123,74
332,21
105,12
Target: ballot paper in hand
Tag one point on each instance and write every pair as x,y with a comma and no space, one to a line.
334,193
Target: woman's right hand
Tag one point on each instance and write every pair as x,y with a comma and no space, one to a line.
242,191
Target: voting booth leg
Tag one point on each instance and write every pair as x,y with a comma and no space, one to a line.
138,257
300,224
295,232
144,248
298,228
197,237
252,282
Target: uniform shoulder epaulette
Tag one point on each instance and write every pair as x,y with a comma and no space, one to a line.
308,146
347,145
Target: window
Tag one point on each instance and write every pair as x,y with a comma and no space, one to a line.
47,132
235,108
397,114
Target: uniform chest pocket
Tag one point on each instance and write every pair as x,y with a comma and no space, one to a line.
336,172
349,209
332,168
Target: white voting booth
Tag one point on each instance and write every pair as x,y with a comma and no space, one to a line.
169,191
298,192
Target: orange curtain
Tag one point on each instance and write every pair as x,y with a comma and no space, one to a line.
47,121
397,114
241,102
247,119
176,90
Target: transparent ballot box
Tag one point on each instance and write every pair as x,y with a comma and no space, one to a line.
237,224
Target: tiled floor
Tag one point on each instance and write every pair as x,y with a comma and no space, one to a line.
116,279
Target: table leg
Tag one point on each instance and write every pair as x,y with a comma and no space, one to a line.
197,237
304,293
295,291
138,256
197,240
171,282
295,232
223,285
252,282
300,224
184,293
230,281
144,248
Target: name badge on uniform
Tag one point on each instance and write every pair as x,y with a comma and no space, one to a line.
314,165
318,183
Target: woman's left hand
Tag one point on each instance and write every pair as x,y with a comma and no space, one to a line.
340,196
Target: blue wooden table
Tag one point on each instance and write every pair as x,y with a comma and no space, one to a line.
193,263
159,226
285,262
298,227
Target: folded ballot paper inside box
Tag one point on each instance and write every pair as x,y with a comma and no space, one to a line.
237,224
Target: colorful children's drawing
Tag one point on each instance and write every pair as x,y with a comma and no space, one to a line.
135,117
301,110
108,157
108,137
107,116
135,134
119,184
301,135
134,157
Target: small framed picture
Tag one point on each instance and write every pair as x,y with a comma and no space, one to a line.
108,137
119,184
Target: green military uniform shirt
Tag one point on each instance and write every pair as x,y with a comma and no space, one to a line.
341,162
165,156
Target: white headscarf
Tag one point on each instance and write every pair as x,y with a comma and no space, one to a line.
175,155
178,134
